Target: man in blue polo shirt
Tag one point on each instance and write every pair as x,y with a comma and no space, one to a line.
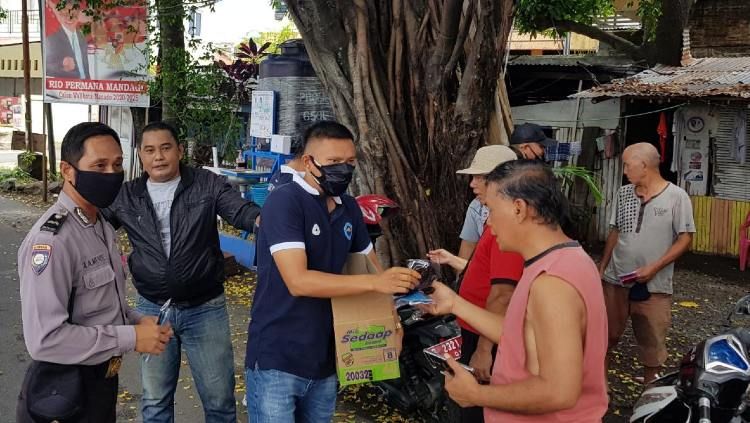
285,172
309,228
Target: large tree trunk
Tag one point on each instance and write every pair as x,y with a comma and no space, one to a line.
667,47
415,80
173,57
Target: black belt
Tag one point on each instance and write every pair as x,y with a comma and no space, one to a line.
106,370
193,302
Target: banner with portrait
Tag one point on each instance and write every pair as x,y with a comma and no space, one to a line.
97,58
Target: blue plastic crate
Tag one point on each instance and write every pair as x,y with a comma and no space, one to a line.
258,193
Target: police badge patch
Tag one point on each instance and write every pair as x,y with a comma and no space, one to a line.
40,257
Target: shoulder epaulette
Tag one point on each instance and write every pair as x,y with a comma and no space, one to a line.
54,222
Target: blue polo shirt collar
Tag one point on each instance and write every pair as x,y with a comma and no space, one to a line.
307,187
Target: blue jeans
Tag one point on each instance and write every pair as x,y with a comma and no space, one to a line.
274,396
203,331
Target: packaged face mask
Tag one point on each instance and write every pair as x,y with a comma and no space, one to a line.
430,272
412,299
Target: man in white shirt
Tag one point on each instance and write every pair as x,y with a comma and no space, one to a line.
162,195
66,49
169,214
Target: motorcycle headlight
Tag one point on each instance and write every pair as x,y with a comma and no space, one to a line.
725,354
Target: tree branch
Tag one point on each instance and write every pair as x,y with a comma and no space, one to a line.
618,43
449,25
463,33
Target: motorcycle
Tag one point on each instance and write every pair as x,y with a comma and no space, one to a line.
419,390
710,386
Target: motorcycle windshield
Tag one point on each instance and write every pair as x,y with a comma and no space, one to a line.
654,400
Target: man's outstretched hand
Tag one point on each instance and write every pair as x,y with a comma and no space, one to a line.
396,280
443,299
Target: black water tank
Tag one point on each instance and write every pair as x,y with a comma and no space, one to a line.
293,61
301,100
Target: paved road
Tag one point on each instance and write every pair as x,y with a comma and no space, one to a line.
9,158
15,220
14,217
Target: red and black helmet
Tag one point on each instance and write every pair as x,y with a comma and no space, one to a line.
376,207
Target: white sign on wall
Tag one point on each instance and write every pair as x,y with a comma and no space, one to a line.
263,114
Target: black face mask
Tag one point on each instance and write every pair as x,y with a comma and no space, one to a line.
99,189
334,179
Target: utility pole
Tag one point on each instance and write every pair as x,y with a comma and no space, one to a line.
51,152
26,70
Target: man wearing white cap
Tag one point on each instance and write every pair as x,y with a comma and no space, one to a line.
488,278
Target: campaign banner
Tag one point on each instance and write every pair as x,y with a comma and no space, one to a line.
10,108
102,61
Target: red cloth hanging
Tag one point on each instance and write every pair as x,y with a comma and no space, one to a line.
662,130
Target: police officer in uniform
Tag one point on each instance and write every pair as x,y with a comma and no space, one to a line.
71,258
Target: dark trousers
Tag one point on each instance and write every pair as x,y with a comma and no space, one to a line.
100,396
468,347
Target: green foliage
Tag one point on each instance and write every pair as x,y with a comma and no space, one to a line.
568,175
649,11
243,72
17,173
275,39
209,117
27,158
533,16
3,14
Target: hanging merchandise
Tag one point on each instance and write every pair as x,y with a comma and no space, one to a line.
739,137
693,128
558,152
678,127
576,147
562,151
610,145
600,141
661,129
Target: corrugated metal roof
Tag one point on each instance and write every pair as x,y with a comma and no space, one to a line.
708,77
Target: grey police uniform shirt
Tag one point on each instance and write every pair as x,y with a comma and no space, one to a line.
86,256
647,231
476,216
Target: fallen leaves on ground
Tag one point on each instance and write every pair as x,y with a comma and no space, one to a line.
240,289
701,305
31,200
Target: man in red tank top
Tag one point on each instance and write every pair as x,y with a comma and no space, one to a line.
553,336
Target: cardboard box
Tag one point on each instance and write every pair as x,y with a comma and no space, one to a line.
365,332
281,144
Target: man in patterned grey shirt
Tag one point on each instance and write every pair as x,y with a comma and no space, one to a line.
652,225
